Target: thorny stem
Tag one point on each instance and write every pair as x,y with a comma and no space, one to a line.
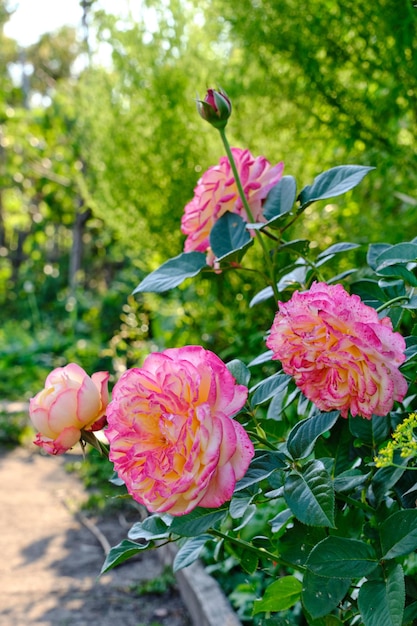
390,302
258,551
248,210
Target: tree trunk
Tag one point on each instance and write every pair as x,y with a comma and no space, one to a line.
76,257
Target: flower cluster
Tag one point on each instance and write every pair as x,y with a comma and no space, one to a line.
216,192
70,402
172,437
341,355
403,442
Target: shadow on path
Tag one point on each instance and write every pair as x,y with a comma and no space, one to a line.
50,562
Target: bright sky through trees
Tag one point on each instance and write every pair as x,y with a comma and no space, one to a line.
32,18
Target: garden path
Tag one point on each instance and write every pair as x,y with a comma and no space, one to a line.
50,560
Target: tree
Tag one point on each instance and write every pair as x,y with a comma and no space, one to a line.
341,80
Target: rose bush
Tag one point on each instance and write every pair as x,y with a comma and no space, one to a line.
172,437
340,353
70,402
318,523
216,193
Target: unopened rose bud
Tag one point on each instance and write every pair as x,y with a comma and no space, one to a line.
215,108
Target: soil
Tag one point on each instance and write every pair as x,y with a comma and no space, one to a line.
51,556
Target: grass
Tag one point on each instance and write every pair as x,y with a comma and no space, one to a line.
160,585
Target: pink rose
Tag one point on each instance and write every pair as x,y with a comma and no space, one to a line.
70,402
172,437
341,355
216,193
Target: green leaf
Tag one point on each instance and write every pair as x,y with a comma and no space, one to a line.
338,557
261,296
327,620
369,292
197,522
374,250
249,514
239,504
349,480
299,540
265,357
340,443
189,552
248,560
121,553
371,432
411,349
276,407
399,271
310,495
152,528
280,200
336,248
399,253
229,235
173,272
300,246
240,372
262,465
294,278
341,276
269,388
321,595
279,596
380,602
399,534
281,520
394,287
333,182
303,436
411,304
410,614
385,478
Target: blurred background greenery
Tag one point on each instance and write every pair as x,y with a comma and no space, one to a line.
98,159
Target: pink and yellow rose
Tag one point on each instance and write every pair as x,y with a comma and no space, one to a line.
216,192
70,402
172,437
341,355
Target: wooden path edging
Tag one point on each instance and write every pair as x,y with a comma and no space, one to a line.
201,594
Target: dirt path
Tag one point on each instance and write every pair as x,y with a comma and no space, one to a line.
49,560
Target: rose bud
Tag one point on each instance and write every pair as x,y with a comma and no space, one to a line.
216,108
